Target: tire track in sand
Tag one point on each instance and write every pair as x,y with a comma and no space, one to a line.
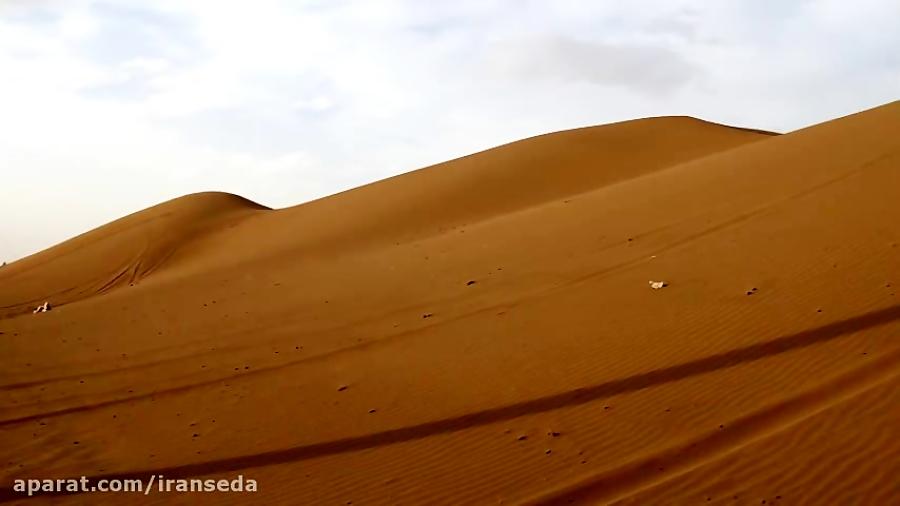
622,480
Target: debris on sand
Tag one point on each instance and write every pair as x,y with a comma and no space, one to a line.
43,308
656,285
751,291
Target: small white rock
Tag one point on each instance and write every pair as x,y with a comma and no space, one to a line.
43,308
656,285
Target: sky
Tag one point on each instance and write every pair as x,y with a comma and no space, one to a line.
109,107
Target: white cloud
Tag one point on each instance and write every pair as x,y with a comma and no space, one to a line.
117,105
563,60
318,103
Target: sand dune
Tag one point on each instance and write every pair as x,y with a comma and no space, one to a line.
482,331
118,254
428,201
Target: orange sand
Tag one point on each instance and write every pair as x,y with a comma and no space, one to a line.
482,331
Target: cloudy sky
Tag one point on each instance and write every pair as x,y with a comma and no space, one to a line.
107,107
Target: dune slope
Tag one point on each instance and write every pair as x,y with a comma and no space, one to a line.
483,331
472,189
120,253
427,201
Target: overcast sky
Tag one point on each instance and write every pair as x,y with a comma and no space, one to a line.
107,107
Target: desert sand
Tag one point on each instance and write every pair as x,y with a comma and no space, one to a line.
483,332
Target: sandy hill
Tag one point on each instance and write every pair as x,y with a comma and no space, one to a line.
428,201
482,331
118,254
